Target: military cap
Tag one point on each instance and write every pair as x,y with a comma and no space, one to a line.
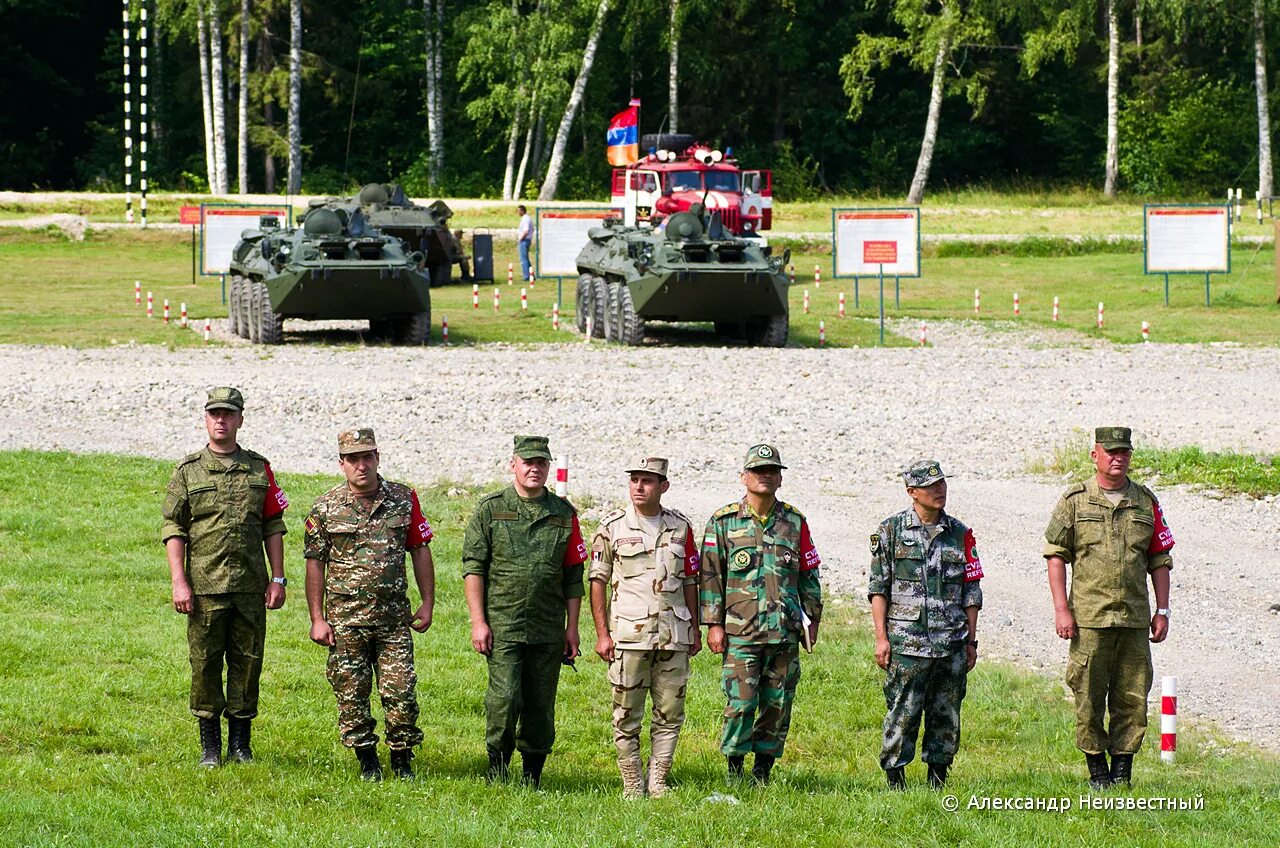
651,464
532,447
1112,438
225,397
922,472
759,456
356,441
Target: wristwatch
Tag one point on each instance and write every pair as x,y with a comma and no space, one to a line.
283,581
1163,611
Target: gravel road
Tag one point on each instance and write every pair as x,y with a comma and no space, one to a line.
983,401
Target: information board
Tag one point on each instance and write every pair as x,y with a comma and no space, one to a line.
1187,239
562,233
865,241
220,228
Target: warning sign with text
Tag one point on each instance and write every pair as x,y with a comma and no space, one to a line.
879,252
561,235
220,229
866,242
1190,239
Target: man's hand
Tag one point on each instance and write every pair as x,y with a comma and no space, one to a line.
604,647
482,638
322,633
695,647
571,642
421,620
883,652
970,657
1159,628
182,597
1065,624
274,596
715,638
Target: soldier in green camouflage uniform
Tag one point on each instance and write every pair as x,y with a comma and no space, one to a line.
760,597
644,591
925,592
1113,533
222,510
357,535
522,564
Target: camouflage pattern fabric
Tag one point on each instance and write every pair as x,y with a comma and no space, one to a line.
359,653
635,674
932,687
520,703
1109,668
234,626
759,682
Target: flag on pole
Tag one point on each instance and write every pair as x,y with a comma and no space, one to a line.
622,137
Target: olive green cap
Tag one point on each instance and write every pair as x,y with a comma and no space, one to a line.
759,456
532,447
922,472
1114,437
356,441
225,397
650,464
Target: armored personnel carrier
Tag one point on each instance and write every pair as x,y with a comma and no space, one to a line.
333,266
689,269
424,228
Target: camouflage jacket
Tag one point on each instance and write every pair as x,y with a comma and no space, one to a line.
756,578
929,579
530,553
1111,550
647,607
362,543
224,514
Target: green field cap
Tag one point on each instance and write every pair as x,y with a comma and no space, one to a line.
532,447
1114,437
225,397
356,441
759,456
922,472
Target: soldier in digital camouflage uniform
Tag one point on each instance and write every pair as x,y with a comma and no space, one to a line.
644,592
925,592
357,535
222,511
1113,533
759,592
522,565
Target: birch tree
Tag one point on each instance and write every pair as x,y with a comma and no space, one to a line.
433,18
242,137
673,68
1113,100
218,88
206,96
1264,111
295,97
554,167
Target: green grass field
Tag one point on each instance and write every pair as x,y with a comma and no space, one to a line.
97,746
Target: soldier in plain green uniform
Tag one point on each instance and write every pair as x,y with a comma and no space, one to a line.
1112,532
760,597
222,512
522,565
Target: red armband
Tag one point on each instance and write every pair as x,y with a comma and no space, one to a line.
1162,536
972,564
575,553
691,559
419,529
809,558
275,502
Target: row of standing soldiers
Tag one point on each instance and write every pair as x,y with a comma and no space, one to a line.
751,578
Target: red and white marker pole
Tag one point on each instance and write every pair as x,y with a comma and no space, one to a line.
1099,315
1055,308
183,315
150,306
841,304
444,328
1017,307
495,299
562,476
586,337
475,296
977,302
1146,332
1168,718
511,273
137,292
208,329
555,317
793,273
806,301
923,333
822,333
532,280
524,300
817,276
166,310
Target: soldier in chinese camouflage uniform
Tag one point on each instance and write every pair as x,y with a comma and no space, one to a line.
1113,533
644,575
760,597
522,564
357,535
222,510
925,592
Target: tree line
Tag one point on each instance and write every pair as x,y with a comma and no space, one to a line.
510,98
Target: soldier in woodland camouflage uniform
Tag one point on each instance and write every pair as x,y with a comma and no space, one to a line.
222,510
357,536
1112,531
644,574
925,594
760,597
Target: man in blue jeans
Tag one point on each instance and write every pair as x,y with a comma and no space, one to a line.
524,238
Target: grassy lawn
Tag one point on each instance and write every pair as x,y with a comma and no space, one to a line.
97,745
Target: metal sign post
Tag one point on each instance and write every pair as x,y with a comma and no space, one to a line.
880,253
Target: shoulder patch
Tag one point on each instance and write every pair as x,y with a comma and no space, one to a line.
1074,490
191,457
727,509
875,543
789,508
613,516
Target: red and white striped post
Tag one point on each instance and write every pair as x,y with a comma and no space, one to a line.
1017,306
793,273
524,300
817,276
183,315
806,301
562,476
841,304
137,292
1099,315
1146,332
495,299
166,310
511,273
532,280
822,333
586,337
150,306
923,333
208,329
1055,308
475,296
977,302
1168,718
555,317
444,328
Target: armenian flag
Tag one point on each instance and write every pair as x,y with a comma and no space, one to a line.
622,137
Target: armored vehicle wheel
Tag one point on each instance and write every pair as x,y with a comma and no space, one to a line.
414,330
769,331
441,275
628,327
250,305
233,306
665,141
599,305
729,329
270,325
246,290
379,330
582,302
611,328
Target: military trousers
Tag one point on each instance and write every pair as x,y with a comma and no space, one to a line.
356,657
520,703
230,627
759,682
1109,670
661,675
928,687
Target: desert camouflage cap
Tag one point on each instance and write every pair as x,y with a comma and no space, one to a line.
922,472
1114,437
356,441
532,447
759,456
652,464
225,397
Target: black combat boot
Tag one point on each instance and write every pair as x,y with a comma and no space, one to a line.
1121,769
401,763
498,765
938,774
210,742
897,778
762,767
238,736
735,766
1099,772
370,768
531,768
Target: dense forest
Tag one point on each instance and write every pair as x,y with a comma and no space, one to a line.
504,98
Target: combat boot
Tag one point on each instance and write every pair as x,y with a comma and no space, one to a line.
370,768
735,766
498,765
210,742
1121,769
897,778
1099,772
531,769
762,768
938,774
402,763
659,772
238,736
632,776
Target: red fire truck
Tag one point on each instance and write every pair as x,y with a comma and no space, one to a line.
676,172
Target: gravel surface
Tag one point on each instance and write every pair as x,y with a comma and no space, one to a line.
984,401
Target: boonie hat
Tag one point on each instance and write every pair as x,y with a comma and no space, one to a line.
922,472
1114,437
225,397
651,464
356,441
532,447
759,456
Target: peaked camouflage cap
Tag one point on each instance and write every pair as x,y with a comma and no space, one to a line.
532,447
225,397
922,472
759,456
356,441
1112,438
651,464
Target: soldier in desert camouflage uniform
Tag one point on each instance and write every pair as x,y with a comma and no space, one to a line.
644,574
925,593
760,596
357,535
